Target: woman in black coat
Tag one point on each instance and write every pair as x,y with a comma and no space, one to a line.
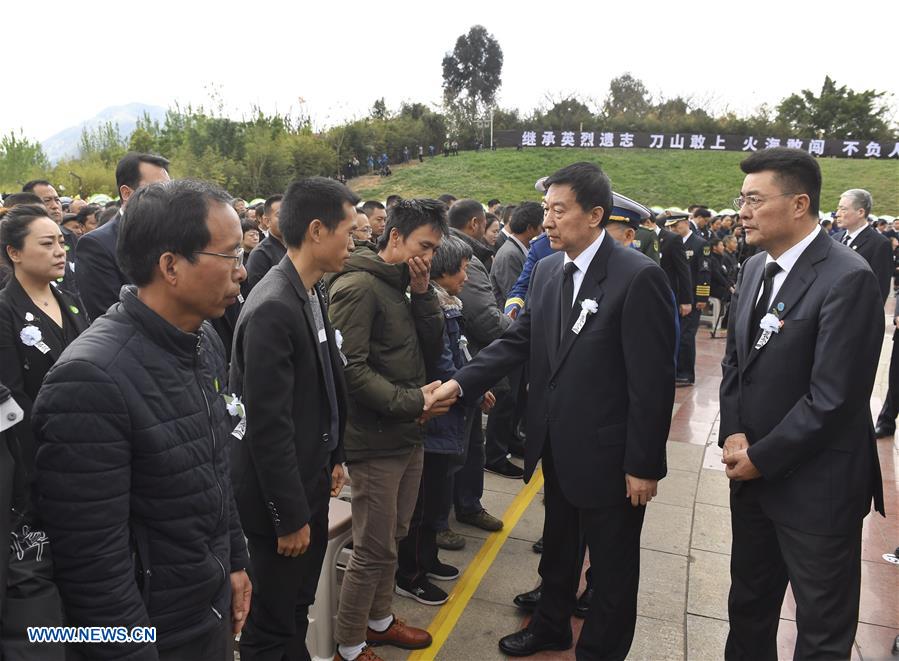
37,322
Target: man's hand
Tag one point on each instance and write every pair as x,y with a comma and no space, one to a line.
241,590
734,443
448,393
640,490
512,313
740,467
700,306
294,544
685,309
489,402
420,273
338,479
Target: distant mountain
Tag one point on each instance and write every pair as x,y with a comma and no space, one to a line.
66,142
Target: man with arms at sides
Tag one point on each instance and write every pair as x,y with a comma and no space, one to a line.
392,327
377,216
98,273
50,199
802,350
697,252
526,224
852,214
290,378
132,429
598,329
271,249
673,261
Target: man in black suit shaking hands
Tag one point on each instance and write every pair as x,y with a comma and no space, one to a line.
598,330
802,351
287,367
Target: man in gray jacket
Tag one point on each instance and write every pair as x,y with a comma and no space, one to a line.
484,322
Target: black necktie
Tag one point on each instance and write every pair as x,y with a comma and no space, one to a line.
567,295
846,239
761,307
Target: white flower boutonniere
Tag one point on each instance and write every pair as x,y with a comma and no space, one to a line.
31,336
235,406
770,325
588,306
338,337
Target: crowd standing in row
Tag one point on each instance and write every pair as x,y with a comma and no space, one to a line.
187,382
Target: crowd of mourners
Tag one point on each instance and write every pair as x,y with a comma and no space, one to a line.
187,380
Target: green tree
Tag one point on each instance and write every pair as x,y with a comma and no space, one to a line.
566,113
628,96
836,112
104,142
20,160
472,74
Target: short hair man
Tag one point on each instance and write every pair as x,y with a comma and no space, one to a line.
387,339
393,200
493,205
149,439
526,224
50,199
99,276
852,215
287,369
363,231
598,331
700,218
377,216
271,249
802,351
484,322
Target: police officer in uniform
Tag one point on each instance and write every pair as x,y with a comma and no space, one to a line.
698,253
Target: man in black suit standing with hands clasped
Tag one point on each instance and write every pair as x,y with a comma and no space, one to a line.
287,368
802,351
598,330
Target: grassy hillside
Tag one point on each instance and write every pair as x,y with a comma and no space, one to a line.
663,178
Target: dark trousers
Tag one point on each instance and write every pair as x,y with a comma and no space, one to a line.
686,354
417,553
503,419
613,537
284,588
824,572
468,482
215,645
887,417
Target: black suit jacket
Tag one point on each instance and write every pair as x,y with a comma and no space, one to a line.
602,398
877,251
803,399
68,282
263,257
674,263
99,277
22,368
277,372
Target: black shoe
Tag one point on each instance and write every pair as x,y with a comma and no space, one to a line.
583,603
882,431
538,546
526,642
527,601
683,381
443,572
505,468
422,590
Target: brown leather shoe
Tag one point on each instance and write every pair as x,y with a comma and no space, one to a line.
399,634
367,654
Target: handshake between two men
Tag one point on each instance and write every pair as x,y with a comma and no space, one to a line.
439,397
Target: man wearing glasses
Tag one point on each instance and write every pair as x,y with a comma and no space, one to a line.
133,481
803,345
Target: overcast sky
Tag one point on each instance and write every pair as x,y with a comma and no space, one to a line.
338,57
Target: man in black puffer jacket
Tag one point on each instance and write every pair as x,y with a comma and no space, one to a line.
133,431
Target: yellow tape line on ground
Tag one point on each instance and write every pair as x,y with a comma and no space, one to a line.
445,621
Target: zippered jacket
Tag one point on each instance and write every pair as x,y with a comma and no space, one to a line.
133,479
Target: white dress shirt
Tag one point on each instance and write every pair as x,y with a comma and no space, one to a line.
853,235
582,262
786,262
